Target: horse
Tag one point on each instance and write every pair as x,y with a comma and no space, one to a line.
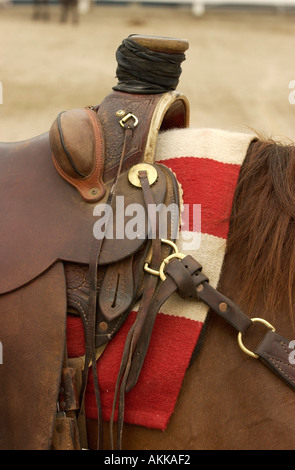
69,8
228,400
242,186
41,10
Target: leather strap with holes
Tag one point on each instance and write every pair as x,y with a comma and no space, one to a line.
185,276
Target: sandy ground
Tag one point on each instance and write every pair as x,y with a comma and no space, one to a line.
236,74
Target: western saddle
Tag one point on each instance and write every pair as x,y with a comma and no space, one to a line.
51,187
56,258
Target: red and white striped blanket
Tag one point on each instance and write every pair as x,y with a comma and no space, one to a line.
206,163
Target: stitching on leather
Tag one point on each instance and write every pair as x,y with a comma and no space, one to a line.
81,309
275,363
284,346
115,326
97,168
73,289
98,141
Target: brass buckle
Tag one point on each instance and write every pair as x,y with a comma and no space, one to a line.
126,118
165,261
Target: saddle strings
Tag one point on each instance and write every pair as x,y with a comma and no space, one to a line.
136,329
90,353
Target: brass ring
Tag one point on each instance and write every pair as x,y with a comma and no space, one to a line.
150,270
170,243
166,261
243,348
154,271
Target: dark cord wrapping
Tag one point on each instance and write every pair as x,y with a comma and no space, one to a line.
143,71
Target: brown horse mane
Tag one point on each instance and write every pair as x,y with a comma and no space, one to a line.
262,226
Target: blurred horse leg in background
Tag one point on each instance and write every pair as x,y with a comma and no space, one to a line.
69,8
41,10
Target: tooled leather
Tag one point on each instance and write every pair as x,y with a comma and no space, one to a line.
117,290
121,283
142,106
108,319
78,284
77,289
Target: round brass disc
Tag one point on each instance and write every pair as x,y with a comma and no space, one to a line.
133,174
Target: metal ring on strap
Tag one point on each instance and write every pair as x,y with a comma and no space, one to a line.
243,348
165,261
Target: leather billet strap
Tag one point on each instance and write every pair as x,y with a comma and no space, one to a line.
185,276
90,347
137,329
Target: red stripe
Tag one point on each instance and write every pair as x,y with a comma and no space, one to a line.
153,399
211,184
75,336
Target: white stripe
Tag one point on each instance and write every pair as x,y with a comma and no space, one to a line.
215,144
210,255
208,250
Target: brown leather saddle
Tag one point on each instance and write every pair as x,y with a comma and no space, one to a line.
64,204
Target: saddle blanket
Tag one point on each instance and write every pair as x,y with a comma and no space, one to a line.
206,163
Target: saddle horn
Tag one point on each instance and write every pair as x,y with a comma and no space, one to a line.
161,44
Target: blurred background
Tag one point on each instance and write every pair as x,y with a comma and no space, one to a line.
237,75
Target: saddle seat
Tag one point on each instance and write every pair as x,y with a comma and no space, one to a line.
45,220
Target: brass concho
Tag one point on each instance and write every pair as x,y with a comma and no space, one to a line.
133,174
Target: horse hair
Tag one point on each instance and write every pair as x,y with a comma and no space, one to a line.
262,225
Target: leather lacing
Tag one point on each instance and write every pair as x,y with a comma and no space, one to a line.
90,353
